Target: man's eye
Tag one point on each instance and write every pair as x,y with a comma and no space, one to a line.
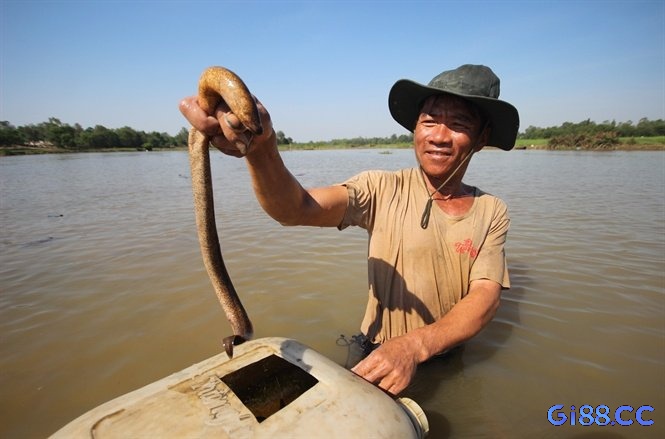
461,125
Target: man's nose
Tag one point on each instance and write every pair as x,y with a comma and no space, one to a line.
441,134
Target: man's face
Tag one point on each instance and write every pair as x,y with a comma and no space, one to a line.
447,129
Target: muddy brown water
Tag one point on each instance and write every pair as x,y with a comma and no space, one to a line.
102,288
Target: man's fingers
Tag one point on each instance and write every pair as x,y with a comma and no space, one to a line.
220,142
238,136
230,120
371,369
383,369
226,131
197,117
361,368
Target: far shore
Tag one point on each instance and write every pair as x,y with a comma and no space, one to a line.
521,145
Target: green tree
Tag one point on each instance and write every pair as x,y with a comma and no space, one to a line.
129,138
59,134
182,138
32,133
9,135
282,139
157,140
101,137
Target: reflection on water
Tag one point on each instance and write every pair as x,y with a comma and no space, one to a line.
103,289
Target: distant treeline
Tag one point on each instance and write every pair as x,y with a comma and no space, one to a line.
361,141
75,137
591,135
643,128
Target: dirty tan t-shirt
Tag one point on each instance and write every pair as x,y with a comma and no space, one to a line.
416,275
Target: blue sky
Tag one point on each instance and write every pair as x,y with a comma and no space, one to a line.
323,68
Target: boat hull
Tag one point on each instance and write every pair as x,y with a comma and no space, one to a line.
273,387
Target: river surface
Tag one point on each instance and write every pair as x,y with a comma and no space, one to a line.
103,290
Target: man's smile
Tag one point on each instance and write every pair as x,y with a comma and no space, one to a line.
439,153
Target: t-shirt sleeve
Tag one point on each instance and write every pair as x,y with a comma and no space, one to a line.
491,261
359,210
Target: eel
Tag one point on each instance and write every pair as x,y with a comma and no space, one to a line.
217,84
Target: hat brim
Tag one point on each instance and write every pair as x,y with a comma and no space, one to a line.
406,98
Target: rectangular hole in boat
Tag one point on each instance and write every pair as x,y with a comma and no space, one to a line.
268,385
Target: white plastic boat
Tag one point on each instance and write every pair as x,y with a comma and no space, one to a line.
272,388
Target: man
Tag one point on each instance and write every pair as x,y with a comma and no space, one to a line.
436,245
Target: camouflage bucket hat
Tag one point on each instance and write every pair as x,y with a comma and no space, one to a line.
475,83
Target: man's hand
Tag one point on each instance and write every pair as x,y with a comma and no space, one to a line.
225,130
392,365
